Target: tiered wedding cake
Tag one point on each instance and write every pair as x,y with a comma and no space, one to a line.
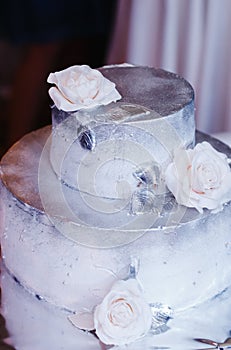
117,220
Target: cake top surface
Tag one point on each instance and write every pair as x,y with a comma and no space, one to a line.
156,89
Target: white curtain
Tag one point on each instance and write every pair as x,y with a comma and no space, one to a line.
188,37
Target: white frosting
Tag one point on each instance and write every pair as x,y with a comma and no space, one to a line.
80,87
193,258
34,324
44,326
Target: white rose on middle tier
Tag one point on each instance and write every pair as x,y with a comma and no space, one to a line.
200,178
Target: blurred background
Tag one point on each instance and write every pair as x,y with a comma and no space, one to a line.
188,37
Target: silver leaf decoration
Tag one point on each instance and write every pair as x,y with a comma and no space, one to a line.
161,314
146,201
150,176
143,201
151,194
133,267
87,139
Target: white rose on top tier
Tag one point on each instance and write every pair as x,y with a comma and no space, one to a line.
200,178
80,87
123,316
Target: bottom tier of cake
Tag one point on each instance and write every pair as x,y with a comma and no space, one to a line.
33,323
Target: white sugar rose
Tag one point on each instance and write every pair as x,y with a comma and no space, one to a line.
80,87
200,178
123,316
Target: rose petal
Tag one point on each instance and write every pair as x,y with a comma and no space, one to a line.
83,320
61,102
52,78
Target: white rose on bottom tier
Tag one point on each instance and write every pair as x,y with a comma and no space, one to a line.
200,178
123,316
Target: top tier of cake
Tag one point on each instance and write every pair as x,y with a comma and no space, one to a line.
161,91
102,151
